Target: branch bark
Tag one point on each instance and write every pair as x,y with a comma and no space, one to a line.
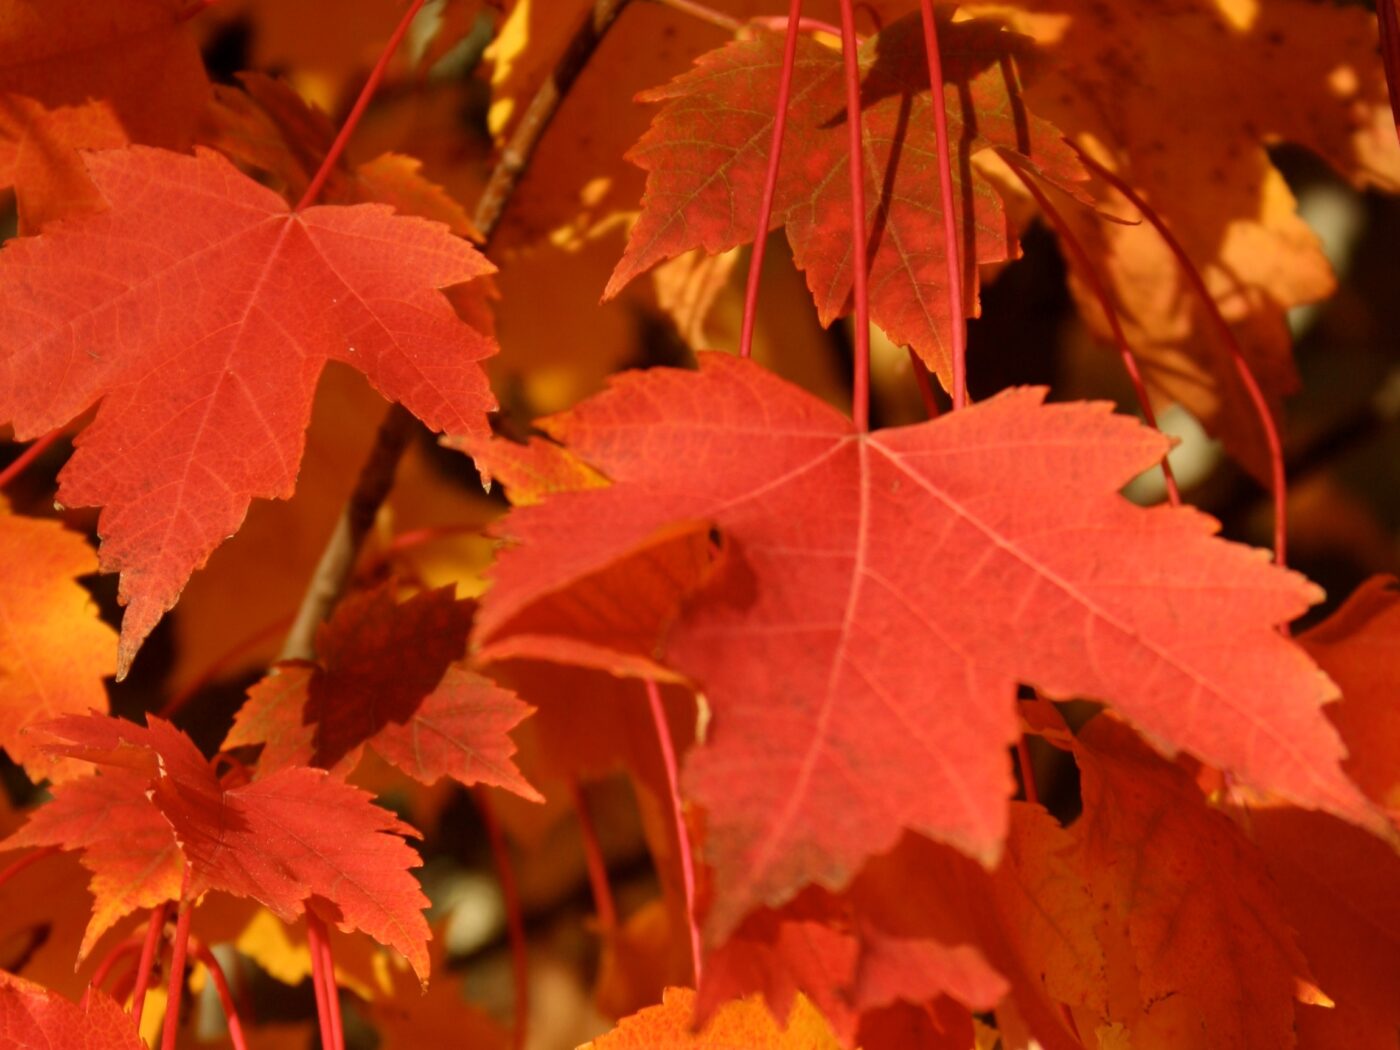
337,564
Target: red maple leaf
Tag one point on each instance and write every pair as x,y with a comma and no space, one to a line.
125,841
1338,888
706,156
1189,919
386,678
34,1018
1021,935
54,650
1356,645
203,335
281,840
885,592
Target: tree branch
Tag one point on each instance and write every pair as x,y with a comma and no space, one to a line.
333,571
515,158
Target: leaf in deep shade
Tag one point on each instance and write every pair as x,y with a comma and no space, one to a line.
386,679
1190,920
75,75
1338,885
54,650
1357,645
202,336
1021,936
34,1018
706,155
1188,100
281,840
887,591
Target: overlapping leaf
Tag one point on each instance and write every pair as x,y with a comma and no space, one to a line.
78,76
883,584
747,1024
269,127
707,152
1195,932
34,1018
1182,98
387,679
203,335
1337,884
280,840
54,651
1357,646
1020,939
126,844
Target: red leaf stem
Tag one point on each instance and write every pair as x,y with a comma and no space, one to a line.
860,394
687,859
216,974
322,948
406,541
770,181
322,982
924,383
705,13
176,985
1023,759
318,181
807,25
194,8
1096,286
1388,12
594,859
177,703
155,930
111,959
1227,335
515,918
952,257
27,861
24,459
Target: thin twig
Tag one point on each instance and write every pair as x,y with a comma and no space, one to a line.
337,564
537,116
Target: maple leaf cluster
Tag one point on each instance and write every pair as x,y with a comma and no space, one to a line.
922,734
